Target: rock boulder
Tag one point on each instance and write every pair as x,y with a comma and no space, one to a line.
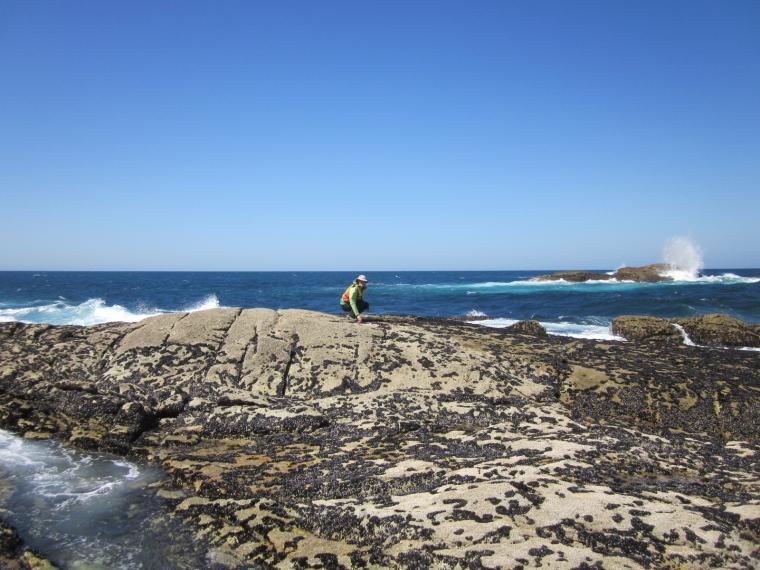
720,330
639,328
528,327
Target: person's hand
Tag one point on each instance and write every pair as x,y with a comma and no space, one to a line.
359,319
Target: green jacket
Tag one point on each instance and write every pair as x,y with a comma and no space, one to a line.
352,294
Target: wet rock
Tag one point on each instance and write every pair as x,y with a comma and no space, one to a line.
528,327
13,556
10,542
708,330
652,273
720,330
574,276
638,328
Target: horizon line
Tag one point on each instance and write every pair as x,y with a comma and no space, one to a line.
327,270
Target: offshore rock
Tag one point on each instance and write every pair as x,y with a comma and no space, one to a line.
651,273
574,276
302,439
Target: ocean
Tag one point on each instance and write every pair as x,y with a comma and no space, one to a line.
583,310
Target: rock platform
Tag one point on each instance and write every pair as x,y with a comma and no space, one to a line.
298,439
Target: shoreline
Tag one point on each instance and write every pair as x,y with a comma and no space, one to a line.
264,416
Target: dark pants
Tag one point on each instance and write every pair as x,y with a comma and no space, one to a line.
361,304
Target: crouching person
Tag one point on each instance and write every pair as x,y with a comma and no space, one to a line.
352,301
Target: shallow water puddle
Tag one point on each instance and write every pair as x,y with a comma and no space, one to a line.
89,510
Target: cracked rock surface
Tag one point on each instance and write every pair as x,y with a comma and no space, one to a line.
300,439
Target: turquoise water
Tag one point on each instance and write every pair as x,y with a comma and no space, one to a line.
582,309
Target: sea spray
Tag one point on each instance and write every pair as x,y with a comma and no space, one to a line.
684,258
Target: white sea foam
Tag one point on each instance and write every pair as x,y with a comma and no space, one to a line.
475,313
686,339
91,312
574,330
209,302
724,278
62,476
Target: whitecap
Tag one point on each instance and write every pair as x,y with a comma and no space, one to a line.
475,313
208,302
90,312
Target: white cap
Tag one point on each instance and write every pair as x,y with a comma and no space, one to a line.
362,278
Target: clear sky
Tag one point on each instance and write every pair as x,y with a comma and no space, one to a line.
377,135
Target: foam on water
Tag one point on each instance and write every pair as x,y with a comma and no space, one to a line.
684,257
91,312
61,475
209,302
475,313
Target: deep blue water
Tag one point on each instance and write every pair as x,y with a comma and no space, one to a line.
92,297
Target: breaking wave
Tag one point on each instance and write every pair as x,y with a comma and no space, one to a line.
92,312
684,257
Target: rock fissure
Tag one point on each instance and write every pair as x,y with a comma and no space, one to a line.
171,329
283,387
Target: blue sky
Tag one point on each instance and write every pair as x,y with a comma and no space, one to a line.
377,135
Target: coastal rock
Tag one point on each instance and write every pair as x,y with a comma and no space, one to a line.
709,330
574,276
302,439
10,543
651,273
14,557
639,328
720,330
528,327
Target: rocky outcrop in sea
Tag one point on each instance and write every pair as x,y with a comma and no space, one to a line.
298,439
651,273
